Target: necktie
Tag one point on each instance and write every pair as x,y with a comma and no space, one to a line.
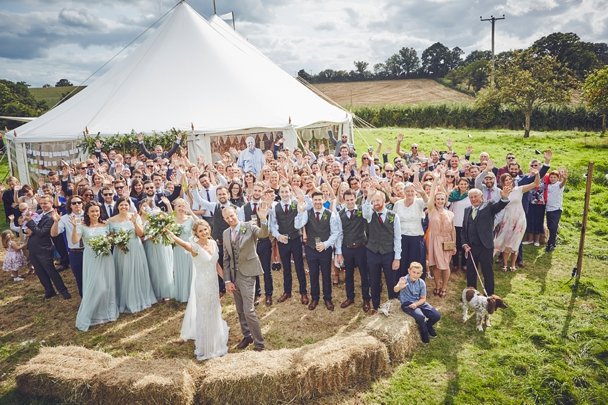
489,194
352,213
255,208
286,208
474,213
208,195
318,216
234,234
109,209
380,218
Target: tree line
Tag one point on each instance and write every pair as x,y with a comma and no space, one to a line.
470,73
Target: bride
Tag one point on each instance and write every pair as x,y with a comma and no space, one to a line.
203,321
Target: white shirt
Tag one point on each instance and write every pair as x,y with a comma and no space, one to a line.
555,197
458,207
410,217
65,225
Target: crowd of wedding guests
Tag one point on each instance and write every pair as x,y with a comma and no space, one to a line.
330,211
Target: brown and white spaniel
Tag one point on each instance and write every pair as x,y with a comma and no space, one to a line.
482,305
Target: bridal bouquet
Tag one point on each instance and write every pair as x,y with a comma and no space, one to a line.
120,239
157,227
101,245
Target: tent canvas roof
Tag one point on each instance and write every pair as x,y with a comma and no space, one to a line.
187,71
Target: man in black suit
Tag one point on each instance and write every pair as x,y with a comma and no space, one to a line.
108,207
41,248
477,235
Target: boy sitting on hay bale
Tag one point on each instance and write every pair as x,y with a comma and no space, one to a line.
412,295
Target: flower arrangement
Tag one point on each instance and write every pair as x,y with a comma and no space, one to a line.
157,227
120,239
243,230
325,216
391,218
101,245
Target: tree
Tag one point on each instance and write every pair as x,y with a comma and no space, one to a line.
569,50
16,100
360,72
528,80
477,55
305,75
408,61
63,83
438,59
595,92
46,86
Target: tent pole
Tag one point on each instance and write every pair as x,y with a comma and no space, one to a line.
214,8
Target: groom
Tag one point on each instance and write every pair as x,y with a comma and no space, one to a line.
241,266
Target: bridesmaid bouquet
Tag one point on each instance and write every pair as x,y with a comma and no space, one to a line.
157,227
120,239
101,245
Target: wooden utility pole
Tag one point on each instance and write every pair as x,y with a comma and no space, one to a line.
581,245
493,20
215,11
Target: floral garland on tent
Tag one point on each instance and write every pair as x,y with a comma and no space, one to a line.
128,142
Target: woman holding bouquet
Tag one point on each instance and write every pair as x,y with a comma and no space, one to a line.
182,259
158,253
134,288
98,303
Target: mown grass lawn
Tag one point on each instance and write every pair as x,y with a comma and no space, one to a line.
550,345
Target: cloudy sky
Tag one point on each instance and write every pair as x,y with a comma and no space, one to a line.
42,41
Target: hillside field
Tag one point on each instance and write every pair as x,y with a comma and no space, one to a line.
51,95
411,91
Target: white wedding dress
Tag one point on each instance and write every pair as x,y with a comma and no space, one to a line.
203,321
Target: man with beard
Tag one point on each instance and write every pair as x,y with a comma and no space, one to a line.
383,246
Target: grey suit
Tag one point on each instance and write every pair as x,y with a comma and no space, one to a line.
241,266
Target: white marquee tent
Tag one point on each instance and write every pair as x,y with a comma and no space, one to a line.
188,72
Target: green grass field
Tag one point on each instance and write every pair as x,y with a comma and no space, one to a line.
51,95
548,347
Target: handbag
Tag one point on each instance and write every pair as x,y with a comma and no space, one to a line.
448,245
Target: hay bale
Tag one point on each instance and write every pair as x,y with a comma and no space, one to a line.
136,381
398,332
342,362
249,377
63,372
288,375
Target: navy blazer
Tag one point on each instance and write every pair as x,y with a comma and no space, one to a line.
483,224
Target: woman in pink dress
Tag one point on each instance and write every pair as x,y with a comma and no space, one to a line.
441,229
511,227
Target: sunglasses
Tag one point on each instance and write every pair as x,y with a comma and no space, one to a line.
87,195
449,176
108,194
389,171
82,168
119,187
149,188
76,202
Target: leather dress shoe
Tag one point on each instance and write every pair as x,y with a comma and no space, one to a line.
313,304
244,343
366,305
284,297
347,303
268,300
259,348
49,296
329,305
256,302
66,295
61,267
304,299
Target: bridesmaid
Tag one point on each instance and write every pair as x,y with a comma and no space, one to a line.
133,277
182,260
98,303
160,257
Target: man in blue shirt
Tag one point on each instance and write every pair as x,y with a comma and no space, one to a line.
412,295
252,158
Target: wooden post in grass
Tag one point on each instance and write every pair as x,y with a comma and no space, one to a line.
581,245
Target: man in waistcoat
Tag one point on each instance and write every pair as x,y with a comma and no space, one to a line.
350,249
248,213
321,234
218,224
383,246
282,226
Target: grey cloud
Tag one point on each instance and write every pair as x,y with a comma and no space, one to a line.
325,26
77,18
